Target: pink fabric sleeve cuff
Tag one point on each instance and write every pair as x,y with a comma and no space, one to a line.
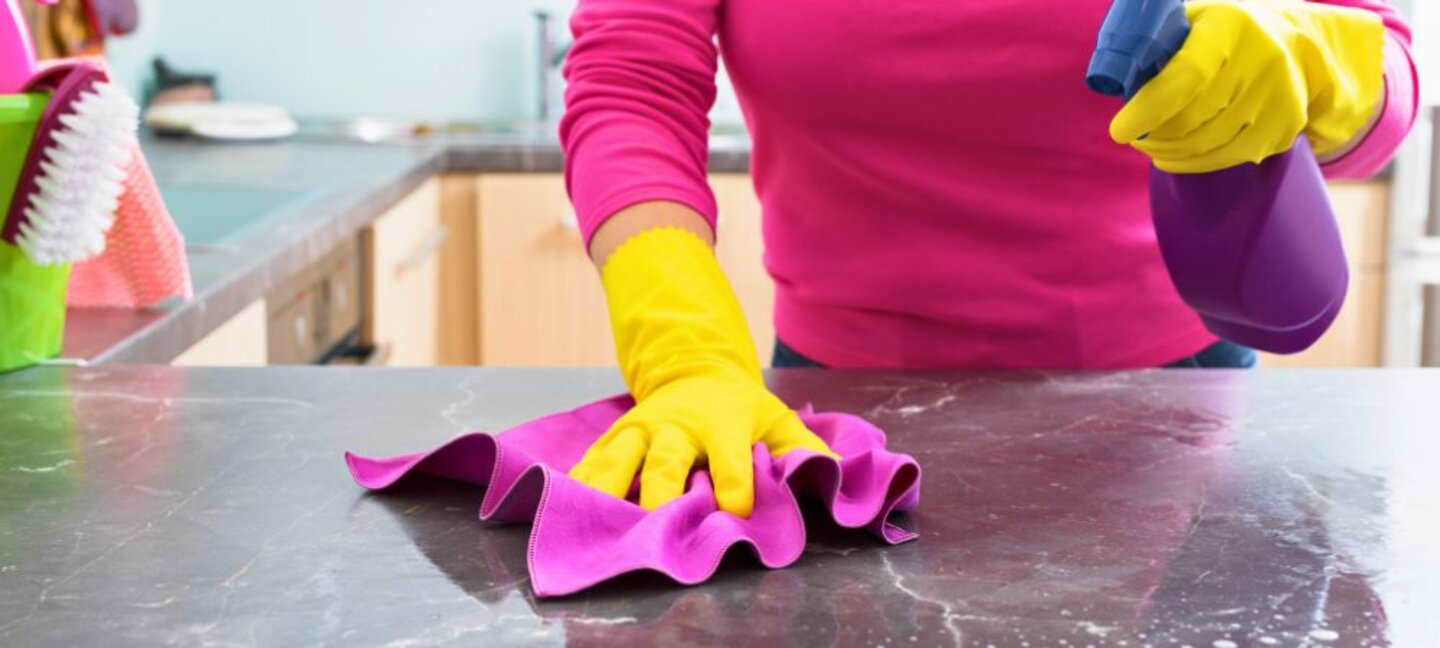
1401,105
593,218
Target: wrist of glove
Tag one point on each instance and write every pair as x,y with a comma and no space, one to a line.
1252,77
688,358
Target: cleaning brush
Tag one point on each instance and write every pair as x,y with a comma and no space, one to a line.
70,186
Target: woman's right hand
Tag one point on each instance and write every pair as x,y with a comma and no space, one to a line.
687,356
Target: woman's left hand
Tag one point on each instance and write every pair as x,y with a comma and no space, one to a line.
1251,78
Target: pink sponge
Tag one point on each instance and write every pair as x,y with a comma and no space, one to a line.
144,258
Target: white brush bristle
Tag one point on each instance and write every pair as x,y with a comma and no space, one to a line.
81,178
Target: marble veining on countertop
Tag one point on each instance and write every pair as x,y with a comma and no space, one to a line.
144,505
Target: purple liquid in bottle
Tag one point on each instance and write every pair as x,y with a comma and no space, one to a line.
1254,249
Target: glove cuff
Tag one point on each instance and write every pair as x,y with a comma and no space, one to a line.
673,312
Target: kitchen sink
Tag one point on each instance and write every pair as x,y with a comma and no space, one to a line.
210,216
372,130
378,130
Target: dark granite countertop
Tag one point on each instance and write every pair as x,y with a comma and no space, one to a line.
296,200
148,505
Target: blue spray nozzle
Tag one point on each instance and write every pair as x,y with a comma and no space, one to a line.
1137,39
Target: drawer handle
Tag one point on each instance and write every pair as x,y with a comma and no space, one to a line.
427,249
378,356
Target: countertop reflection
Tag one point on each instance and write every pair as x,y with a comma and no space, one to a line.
153,505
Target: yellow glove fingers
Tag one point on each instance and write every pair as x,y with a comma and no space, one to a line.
582,469
789,433
1226,141
1210,105
1184,78
1210,136
667,467
732,471
1239,150
610,467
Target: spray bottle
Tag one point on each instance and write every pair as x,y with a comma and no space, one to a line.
1254,248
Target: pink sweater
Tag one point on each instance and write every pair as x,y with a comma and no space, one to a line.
938,185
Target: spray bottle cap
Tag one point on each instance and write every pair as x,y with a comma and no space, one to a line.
1136,40
1113,73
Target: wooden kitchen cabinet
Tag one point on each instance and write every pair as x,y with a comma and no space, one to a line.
403,280
541,303
240,342
1354,339
459,271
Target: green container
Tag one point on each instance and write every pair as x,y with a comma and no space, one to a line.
32,297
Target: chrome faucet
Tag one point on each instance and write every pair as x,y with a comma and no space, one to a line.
552,55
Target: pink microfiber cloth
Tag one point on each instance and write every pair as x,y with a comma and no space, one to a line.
581,536
144,258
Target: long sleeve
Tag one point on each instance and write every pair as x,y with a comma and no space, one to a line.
641,81
1401,104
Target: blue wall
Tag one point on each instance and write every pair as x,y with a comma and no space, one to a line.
433,59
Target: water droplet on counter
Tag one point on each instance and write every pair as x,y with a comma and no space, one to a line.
1324,634
1224,643
1268,640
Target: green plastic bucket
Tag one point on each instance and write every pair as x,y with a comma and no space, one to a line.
32,297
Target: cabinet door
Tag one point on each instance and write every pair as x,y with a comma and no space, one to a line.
404,279
540,299
741,249
541,303
459,271
239,342
1362,209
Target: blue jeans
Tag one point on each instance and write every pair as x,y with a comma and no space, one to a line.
1221,355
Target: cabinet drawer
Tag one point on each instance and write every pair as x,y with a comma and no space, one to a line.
293,334
342,293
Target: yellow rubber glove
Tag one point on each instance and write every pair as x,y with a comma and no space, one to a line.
690,363
1253,76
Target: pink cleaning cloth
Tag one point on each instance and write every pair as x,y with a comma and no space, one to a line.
144,258
580,536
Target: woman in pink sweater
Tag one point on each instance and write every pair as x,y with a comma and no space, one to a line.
939,189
